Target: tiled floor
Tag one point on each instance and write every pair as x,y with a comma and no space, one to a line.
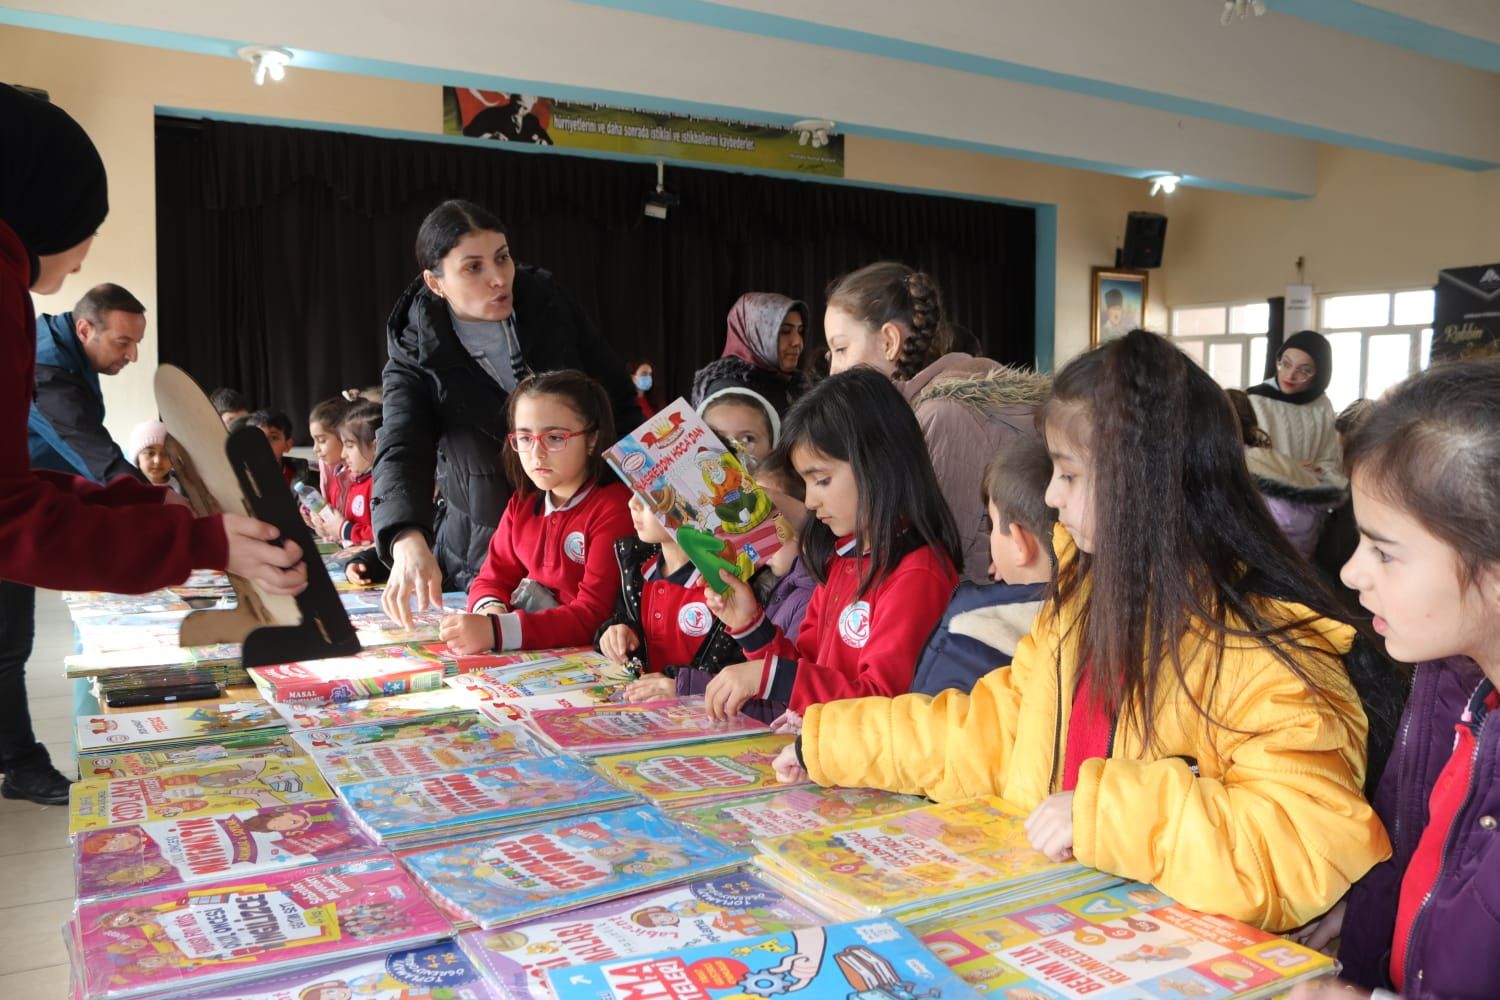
36,864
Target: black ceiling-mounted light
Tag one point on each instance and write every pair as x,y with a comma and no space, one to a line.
657,202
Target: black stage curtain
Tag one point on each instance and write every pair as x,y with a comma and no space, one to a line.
281,250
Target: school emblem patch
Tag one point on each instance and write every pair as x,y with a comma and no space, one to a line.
854,624
573,546
694,619
357,505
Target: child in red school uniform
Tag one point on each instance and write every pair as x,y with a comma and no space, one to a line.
358,432
880,542
550,578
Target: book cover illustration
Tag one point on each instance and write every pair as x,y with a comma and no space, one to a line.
167,725
506,794
699,491
437,972
399,708
128,859
545,677
210,789
552,869
725,769
603,728
864,960
240,928
92,603
150,658
428,755
521,709
136,763
809,807
1127,941
914,859
370,673
724,908
469,663
364,733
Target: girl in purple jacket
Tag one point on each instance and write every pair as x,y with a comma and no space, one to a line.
1425,474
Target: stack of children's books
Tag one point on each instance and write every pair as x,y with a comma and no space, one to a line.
128,762
360,733
371,673
383,711
610,729
143,668
939,859
723,908
383,760
187,850
433,807
469,663
741,822
1126,941
240,928
159,729
862,960
212,788
509,878
541,677
698,774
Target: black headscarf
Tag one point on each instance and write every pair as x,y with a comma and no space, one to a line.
53,191
1316,347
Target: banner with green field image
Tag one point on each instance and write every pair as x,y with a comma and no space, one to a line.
488,114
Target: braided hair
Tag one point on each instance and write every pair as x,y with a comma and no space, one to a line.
890,292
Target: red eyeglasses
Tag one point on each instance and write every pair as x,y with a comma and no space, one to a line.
551,440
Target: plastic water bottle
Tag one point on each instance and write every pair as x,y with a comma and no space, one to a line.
312,501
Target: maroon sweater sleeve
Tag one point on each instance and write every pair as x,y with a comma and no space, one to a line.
575,622
65,533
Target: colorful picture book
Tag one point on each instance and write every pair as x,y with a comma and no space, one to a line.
192,849
1127,941
169,726
506,879
617,728
865,960
237,929
370,673
545,677
442,806
710,772
473,662
436,972
724,908
928,860
209,789
699,491
136,763
521,709
381,711
428,755
364,733
808,807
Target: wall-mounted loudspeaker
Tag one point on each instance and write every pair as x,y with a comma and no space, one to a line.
1145,239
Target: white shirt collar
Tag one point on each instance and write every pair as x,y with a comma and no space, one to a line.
548,508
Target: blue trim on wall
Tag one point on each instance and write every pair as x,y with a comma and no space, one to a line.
1355,18
1046,212
714,15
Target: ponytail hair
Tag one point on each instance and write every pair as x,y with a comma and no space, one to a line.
889,292
859,417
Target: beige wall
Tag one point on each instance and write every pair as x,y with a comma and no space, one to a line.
1377,222
114,89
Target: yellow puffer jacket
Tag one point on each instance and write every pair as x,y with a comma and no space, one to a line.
1272,830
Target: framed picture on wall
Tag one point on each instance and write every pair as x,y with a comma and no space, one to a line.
1119,302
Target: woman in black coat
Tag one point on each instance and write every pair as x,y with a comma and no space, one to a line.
459,339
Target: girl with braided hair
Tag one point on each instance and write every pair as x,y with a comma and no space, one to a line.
890,317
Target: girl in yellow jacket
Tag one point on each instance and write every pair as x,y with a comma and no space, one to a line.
1181,713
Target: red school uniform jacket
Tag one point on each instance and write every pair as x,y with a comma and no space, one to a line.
357,527
851,646
570,550
63,532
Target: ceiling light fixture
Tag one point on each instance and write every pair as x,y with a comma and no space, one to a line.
268,60
1164,184
814,131
656,203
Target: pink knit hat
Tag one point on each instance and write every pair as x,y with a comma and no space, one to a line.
152,432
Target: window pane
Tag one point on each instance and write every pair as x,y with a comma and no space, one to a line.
1225,363
1413,307
1344,311
1390,362
1426,349
1257,361
1197,322
1193,349
1252,318
1343,388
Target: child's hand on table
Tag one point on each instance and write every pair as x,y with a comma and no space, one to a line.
652,687
465,633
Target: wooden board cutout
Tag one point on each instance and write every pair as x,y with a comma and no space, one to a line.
238,474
